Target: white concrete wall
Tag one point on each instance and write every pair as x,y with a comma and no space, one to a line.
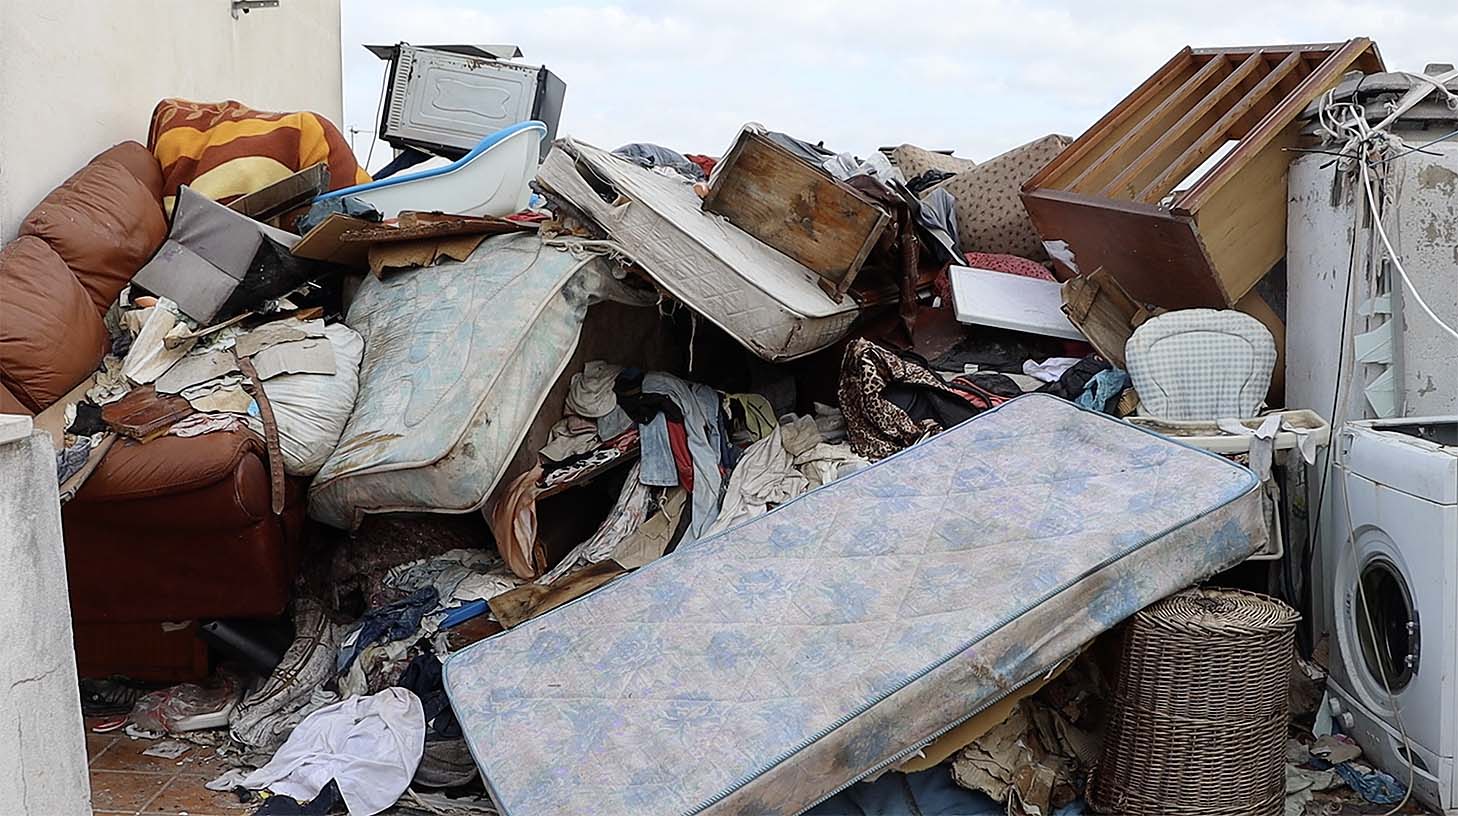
42,743
77,76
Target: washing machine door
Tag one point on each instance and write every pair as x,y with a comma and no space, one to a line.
1381,590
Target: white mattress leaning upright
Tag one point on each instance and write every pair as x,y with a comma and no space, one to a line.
458,360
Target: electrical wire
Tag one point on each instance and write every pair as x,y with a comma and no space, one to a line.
1422,148
1313,534
1347,121
379,112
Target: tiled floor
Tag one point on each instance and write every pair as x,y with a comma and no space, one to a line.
123,781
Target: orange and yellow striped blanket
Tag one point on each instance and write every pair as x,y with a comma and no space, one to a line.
226,149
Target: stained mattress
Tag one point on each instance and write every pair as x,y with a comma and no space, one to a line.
771,304
763,669
458,359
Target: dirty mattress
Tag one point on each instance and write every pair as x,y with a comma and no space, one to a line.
458,359
769,303
765,668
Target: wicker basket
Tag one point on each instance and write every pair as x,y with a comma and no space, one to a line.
1198,725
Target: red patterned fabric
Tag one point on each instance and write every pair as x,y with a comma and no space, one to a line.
705,163
1011,264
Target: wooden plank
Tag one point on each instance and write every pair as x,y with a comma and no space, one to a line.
798,209
1247,50
1116,122
517,606
590,474
285,194
1205,146
1158,121
323,242
1127,183
1243,225
1255,306
1317,82
1103,311
1155,255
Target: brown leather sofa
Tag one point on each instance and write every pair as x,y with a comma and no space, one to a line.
174,531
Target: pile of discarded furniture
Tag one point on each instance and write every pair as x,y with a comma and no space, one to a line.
574,480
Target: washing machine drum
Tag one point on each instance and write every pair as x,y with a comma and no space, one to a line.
1388,635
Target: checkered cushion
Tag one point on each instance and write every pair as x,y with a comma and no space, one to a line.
1201,364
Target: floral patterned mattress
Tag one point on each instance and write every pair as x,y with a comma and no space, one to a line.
761,670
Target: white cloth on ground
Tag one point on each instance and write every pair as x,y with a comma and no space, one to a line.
1050,369
458,575
370,746
199,424
798,434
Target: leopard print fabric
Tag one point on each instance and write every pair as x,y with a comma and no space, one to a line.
876,427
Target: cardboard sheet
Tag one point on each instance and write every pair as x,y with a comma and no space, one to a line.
322,243
313,355
195,369
390,257
279,331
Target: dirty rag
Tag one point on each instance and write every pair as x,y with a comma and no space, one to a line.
1103,391
70,459
387,623
766,476
591,391
458,575
370,746
513,522
1377,787
627,515
294,690
199,424
653,538
570,436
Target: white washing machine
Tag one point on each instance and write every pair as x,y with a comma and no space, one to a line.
1396,490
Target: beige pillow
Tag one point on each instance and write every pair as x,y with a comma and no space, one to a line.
912,161
990,215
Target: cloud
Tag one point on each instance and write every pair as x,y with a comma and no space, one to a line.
978,76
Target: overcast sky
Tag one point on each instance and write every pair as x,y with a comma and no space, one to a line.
974,76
